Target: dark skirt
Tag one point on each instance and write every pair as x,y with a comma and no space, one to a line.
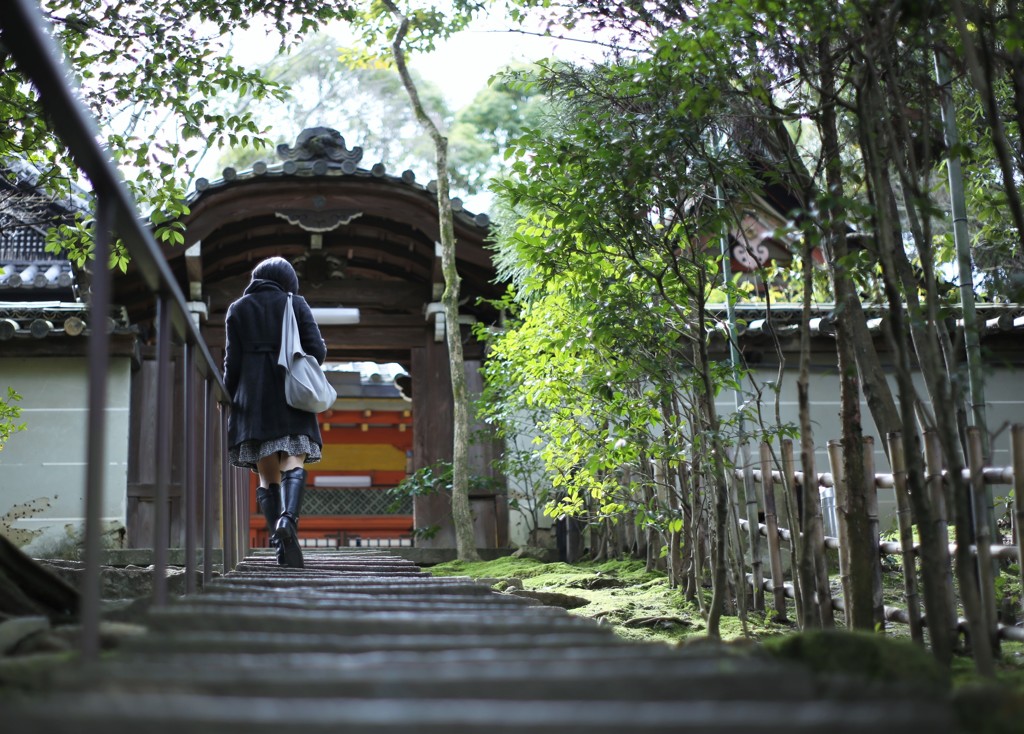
247,453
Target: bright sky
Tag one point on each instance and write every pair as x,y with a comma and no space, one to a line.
463,64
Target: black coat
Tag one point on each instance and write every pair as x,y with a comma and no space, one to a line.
251,372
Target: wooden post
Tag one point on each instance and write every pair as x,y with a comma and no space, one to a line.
871,495
935,483
753,527
1017,457
814,539
771,520
795,548
743,591
899,479
835,460
982,535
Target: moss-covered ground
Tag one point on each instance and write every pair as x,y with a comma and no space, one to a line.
640,606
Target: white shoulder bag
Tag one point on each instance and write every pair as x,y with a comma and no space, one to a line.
305,384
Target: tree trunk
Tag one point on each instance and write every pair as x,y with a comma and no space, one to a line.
814,570
721,508
462,516
859,594
934,552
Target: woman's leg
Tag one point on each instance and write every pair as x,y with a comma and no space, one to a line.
269,468
268,497
291,462
293,485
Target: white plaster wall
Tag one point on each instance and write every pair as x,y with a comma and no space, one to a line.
1004,398
42,469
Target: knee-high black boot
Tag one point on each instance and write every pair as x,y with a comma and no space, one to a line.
269,500
293,484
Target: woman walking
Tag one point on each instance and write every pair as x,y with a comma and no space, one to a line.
265,434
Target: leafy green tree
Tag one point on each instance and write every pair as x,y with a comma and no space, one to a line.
148,72
366,101
862,81
406,29
616,208
9,414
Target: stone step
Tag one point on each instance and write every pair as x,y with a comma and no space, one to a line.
616,652
365,602
338,569
313,621
174,713
549,680
356,642
231,642
399,585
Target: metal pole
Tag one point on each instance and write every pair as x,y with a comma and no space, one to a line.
209,496
189,484
96,434
227,503
242,506
161,511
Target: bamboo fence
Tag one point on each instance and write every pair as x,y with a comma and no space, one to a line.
992,558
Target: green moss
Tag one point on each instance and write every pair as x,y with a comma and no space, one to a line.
870,656
507,567
640,606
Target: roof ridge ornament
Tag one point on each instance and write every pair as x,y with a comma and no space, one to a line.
320,143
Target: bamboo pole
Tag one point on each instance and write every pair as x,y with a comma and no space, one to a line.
982,535
899,474
772,521
795,548
1017,457
835,460
935,486
871,497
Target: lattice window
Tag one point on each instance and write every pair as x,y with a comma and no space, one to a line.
351,502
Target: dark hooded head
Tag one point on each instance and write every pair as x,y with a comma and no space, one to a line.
279,271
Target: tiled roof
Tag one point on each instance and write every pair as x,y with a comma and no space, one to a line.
322,152
38,320
45,280
752,320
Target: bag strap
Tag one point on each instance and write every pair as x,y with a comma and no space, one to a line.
291,341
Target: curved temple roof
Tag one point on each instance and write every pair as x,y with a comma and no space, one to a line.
358,237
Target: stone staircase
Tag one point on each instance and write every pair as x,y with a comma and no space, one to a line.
361,641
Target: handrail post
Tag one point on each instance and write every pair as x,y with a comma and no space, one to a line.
242,507
209,496
227,503
161,511
96,434
189,483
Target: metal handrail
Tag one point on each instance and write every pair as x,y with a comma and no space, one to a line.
37,56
